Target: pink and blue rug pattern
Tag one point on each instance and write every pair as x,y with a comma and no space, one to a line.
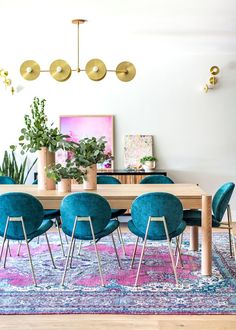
82,293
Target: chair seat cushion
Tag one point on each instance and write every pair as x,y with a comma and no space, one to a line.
51,214
138,233
117,212
194,218
112,225
45,226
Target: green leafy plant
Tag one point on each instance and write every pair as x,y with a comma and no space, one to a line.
10,167
91,151
38,133
68,170
147,159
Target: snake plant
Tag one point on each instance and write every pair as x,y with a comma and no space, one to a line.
10,167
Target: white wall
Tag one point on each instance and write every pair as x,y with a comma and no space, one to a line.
172,43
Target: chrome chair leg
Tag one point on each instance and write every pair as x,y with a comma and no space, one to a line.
98,256
19,248
50,251
231,234
120,236
117,256
29,254
69,252
72,254
80,246
60,238
6,252
172,261
142,252
4,238
178,247
134,252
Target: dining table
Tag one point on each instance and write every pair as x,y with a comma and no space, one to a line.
192,196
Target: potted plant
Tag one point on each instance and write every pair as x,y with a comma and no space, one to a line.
62,174
88,153
148,162
39,135
10,167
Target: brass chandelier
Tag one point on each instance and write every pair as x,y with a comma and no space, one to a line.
61,71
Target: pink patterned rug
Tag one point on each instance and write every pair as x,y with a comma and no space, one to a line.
156,293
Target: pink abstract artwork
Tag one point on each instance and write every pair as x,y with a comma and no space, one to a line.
82,126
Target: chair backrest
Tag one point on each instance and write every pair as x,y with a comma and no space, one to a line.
156,179
221,200
84,204
17,204
157,204
107,179
6,180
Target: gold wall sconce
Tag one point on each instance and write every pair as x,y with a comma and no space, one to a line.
214,70
6,80
61,71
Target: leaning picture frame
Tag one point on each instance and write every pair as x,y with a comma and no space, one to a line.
87,126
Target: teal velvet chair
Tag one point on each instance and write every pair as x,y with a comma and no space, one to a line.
156,178
55,216
156,216
220,205
86,216
22,220
6,180
115,213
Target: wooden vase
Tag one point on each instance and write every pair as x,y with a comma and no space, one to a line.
64,185
45,158
91,178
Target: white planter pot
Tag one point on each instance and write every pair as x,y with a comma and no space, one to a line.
149,165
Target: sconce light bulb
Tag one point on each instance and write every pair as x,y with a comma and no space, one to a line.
95,68
59,69
29,69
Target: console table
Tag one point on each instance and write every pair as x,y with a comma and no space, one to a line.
130,177
124,176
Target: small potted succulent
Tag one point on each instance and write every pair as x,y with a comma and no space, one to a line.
148,162
62,174
88,153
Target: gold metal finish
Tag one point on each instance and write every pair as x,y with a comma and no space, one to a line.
96,69
79,21
30,70
213,80
6,80
125,71
214,70
60,70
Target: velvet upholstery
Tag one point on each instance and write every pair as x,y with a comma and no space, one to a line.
6,180
16,204
87,204
108,179
220,202
156,204
152,179
49,213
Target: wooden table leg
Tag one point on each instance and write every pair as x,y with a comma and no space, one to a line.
206,236
194,238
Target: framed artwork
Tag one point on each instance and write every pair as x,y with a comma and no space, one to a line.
136,147
82,126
